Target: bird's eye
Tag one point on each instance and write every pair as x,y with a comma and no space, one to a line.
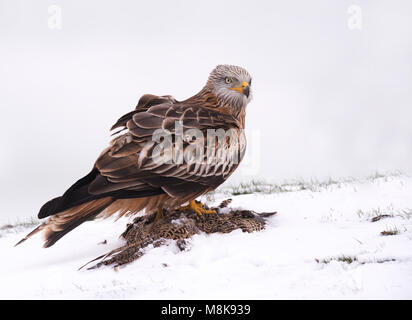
250,82
228,80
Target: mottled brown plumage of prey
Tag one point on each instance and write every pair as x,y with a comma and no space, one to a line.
165,153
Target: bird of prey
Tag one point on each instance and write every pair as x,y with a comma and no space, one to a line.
127,179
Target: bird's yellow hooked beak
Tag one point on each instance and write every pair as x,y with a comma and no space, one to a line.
243,89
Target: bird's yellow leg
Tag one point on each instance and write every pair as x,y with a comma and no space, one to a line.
196,207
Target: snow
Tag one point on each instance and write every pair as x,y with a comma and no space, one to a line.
295,257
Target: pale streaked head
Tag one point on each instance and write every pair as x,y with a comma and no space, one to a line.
231,84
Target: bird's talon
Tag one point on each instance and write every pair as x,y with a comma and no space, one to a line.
197,207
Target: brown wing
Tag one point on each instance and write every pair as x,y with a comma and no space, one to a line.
145,102
129,163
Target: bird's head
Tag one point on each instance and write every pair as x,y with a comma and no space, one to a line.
232,84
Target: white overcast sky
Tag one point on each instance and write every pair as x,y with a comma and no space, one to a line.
329,101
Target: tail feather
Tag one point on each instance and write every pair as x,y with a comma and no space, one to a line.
77,205
38,229
60,224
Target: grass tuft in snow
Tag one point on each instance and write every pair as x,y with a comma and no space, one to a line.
377,214
19,225
252,187
353,259
390,232
347,259
314,185
380,175
262,187
381,216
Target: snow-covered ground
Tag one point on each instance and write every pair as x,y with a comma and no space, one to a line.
323,243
